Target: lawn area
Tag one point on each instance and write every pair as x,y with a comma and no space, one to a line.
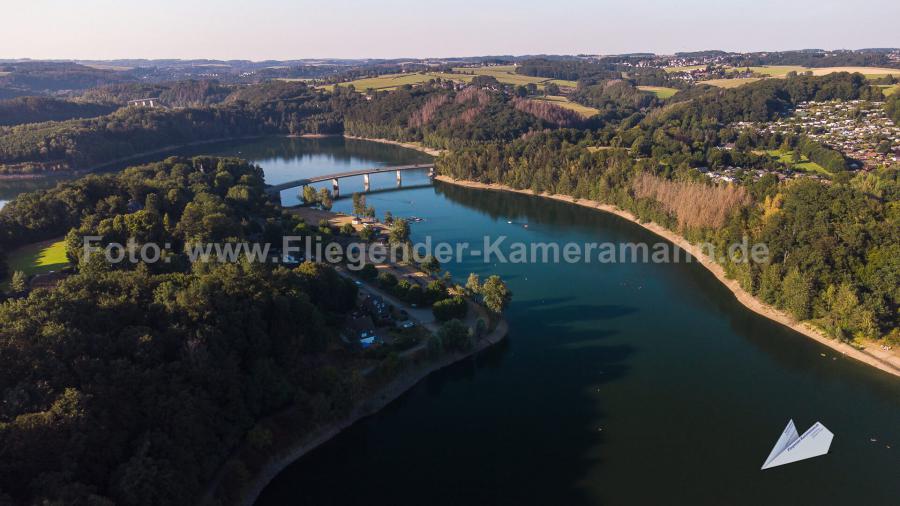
889,89
659,91
563,83
583,110
870,72
730,83
505,74
387,81
804,165
782,70
38,258
775,70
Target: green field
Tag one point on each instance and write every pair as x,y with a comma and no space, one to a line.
782,70
507,74
889,89
583,110
387,81
38,258
503,73
774,70
804,165
659,91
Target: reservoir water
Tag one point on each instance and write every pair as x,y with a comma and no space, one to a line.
625,383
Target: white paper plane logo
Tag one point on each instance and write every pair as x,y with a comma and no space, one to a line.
792,447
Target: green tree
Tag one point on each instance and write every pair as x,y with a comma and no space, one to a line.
431,265
359,204
325,199
796,292
19,282
368,271
399,232
447,309
309,195
495,294
473,284
455,336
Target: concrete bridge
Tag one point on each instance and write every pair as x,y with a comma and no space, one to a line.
275,190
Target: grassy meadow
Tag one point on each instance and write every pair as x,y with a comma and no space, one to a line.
503,73
659,91
804,164
889,89
583,110
38,258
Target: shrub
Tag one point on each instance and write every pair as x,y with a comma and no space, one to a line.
455,336
369,272
448,309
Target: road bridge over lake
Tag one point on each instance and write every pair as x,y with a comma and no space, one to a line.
365,173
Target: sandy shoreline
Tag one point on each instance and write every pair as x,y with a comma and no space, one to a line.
883,360
408,145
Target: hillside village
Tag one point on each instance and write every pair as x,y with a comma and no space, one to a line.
859,129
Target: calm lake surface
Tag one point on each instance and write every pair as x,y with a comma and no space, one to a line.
618,384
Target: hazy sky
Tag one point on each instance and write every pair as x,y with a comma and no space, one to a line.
286,29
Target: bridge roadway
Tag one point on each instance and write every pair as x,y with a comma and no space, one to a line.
278,188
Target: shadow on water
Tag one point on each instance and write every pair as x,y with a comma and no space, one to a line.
488,430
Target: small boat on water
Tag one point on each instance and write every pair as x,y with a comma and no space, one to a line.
792,447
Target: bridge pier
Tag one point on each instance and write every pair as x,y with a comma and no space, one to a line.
366,182
431,172
335,188
399,179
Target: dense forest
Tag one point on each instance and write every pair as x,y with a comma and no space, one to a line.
445,118
20,110
588,72
130,383
288,108
188,93
816,59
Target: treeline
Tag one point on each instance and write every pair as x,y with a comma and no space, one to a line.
615,99
440,117
815,59
434,114
20,110
568,70
892,107
132,131
588,72
189,93
35,77
834,248
131,383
